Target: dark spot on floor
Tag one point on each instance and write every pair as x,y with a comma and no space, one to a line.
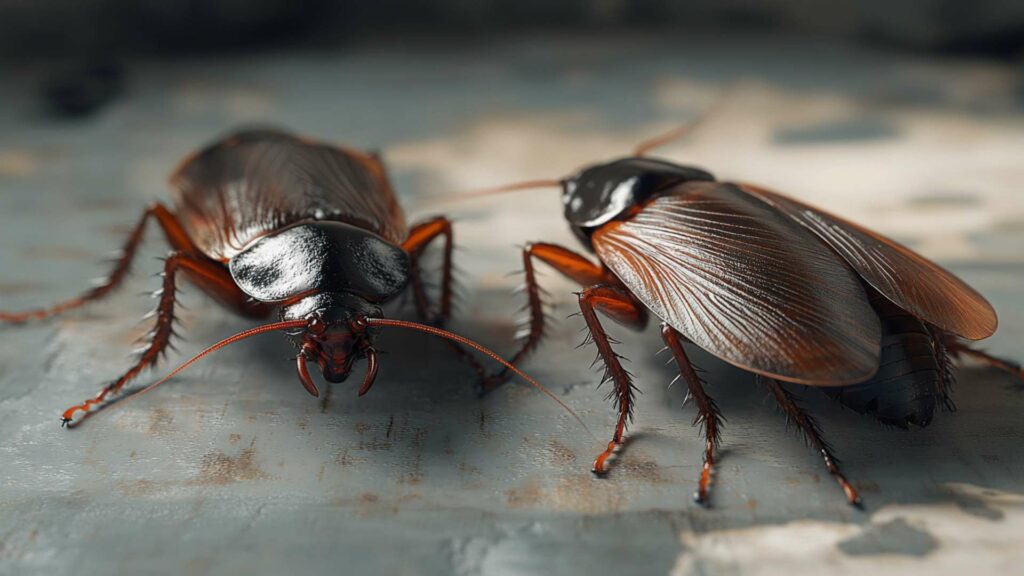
560,454
893,537
945,200
218,468
846,130
975,506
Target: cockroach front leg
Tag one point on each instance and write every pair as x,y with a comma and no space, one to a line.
708,414
163,328
571,265
176,237
620,306
419,238
809,426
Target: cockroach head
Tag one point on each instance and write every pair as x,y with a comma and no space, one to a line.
336,332
600,193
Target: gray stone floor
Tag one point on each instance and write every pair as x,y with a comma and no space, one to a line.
233,469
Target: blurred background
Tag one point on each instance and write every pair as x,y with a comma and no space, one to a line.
907,116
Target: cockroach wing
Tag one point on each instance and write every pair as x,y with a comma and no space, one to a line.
745,283
908,279
254,182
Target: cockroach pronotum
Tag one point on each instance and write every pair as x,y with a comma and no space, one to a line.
264,220
764,282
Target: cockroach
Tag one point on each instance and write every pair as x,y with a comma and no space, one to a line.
761,281
266,221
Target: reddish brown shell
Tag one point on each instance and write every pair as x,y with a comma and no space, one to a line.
252,183
908,279
745,283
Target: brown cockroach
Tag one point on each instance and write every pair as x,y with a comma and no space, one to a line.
264,220
764,282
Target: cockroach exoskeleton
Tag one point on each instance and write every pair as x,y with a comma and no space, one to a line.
264,220
764,282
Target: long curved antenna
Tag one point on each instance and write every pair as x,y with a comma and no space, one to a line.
686,129
514,187
483,350
284,325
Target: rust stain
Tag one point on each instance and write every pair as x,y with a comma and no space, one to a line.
560,453
578,493
234,438
218,468
528,494
371,504
15,288
588,495
160,421
14,163
344,458
139,487
646,470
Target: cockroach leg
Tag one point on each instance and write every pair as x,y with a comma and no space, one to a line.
958,349
571,265
812,432
420,236
946,379
163,329
708,414
619,305
176,237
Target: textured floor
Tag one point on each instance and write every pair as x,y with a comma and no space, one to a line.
233,469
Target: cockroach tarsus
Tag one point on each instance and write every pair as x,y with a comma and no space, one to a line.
264,220
769,284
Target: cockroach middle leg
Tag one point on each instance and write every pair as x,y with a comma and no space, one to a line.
619,305
571,265
163,328
708,414
959,349
420,237
812,431
176,237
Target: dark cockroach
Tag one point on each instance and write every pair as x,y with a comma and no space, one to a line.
773,286
263,220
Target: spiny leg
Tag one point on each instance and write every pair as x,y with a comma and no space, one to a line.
175,234
946,380
620,306
419,238
812,432
708,413
163,328
959,349
571,265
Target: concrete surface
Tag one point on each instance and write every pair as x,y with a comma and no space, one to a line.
233,469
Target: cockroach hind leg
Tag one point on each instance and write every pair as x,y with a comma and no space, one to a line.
600,468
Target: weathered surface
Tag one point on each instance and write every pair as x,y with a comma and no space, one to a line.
232,468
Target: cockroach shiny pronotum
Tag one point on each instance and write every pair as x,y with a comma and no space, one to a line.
263,220
769,284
